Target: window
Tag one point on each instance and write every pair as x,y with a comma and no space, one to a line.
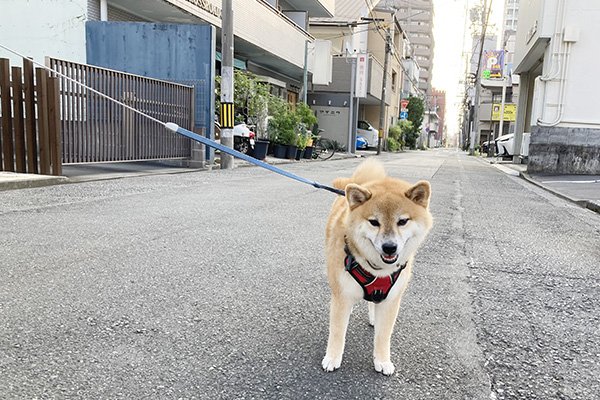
394,79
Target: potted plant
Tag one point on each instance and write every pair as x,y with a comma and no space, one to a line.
283,126
308,152
308,120
301,142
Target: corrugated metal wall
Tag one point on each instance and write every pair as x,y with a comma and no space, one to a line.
182,53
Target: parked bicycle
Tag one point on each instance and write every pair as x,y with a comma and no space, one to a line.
324,148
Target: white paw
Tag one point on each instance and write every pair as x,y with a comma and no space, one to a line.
371,320
385,367
331,363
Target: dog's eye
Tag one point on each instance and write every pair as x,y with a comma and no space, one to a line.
374,222
402,221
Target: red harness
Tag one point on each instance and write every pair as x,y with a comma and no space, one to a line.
375,288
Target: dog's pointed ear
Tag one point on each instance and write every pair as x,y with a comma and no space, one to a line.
420,193
356,195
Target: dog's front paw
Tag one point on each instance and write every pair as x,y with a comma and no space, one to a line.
385,367
331,363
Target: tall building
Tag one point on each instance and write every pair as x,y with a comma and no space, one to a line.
416,18
511,17
438,101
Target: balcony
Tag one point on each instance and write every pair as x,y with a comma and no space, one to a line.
314,8
269,37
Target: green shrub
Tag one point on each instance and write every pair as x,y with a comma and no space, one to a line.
395,132
393,144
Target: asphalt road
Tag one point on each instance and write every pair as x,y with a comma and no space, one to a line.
211,285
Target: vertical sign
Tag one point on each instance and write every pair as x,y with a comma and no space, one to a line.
404,109
362,65
493,64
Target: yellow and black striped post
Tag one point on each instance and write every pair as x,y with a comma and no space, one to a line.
227,116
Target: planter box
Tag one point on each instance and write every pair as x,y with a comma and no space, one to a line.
280,151
299,154
260,149
308,152
291,152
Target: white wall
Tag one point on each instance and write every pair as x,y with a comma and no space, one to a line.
39,28
582,85
577,107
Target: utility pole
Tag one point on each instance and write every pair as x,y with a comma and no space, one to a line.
501,123
388,49
475,129
227,108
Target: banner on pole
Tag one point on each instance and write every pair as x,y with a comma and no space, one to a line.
493,65
362,69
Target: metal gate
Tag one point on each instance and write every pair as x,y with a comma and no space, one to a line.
94,129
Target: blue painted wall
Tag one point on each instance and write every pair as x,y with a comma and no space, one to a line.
183,53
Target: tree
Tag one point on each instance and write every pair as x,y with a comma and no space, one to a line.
416,111
251,99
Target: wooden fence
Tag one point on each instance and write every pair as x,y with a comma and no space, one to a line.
30,128
94,129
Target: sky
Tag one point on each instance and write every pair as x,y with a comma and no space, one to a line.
450,40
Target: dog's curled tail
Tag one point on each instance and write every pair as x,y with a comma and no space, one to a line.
369,170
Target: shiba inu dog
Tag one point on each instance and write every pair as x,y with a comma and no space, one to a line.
371,239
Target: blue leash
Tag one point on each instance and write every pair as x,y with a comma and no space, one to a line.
211,143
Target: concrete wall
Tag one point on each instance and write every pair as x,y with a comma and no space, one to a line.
334,121
40,28
562,150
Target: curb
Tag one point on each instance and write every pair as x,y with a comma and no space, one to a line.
32,183
37,181
590,205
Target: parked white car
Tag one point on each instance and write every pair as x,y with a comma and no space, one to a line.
370,134
505,145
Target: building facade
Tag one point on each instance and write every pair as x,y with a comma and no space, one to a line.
438,103
416,18
358,31
556,44
272,45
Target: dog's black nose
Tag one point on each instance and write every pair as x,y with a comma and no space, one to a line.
389,248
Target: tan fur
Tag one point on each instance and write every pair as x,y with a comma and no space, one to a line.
372,195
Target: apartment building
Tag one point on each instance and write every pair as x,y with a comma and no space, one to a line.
556,44
416,18
358,31
438,103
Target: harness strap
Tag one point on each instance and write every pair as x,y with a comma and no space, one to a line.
375,289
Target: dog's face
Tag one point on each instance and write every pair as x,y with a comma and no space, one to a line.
388,220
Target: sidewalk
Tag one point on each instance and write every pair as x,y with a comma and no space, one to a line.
580,189
75,173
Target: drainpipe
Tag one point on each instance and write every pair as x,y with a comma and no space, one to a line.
103,10
561,95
